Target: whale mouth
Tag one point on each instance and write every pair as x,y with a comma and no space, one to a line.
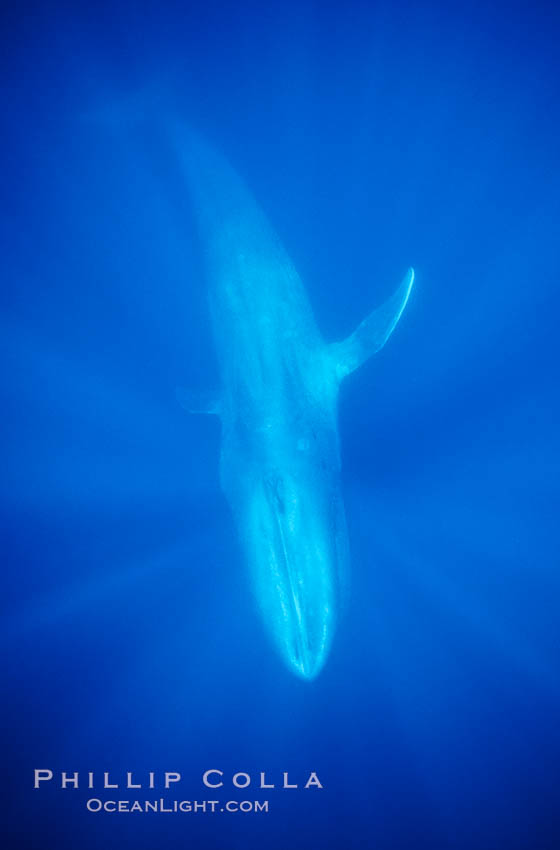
300,582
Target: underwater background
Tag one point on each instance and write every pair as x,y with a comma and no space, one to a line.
375,136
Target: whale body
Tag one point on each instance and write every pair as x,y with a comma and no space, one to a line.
280,458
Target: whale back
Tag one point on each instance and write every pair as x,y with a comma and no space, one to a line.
250,273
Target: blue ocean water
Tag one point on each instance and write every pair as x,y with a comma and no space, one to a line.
375,136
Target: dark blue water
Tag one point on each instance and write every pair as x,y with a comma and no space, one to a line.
375,137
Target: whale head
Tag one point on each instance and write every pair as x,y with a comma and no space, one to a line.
297,548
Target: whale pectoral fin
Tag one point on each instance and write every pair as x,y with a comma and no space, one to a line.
373,332
197,402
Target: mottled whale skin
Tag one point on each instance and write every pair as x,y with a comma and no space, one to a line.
280,458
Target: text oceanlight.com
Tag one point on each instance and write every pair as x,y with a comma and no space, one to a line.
176,806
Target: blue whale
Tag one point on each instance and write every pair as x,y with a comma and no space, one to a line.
280,458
